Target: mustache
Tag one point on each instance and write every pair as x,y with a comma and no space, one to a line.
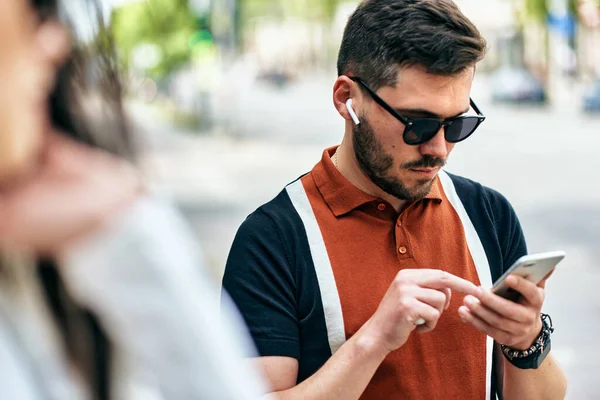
426,162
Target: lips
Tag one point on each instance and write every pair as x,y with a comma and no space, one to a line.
425,173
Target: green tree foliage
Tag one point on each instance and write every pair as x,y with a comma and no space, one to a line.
539,10
167,24
321,10
536,10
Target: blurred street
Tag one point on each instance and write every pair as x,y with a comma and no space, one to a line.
545,160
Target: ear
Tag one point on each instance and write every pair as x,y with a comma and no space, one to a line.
343,89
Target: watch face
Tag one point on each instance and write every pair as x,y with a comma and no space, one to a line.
541,356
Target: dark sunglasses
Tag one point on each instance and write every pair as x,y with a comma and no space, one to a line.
420,130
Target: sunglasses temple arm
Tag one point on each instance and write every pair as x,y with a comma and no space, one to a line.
380,101
475,107
387,107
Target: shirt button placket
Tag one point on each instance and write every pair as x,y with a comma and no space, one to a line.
401,246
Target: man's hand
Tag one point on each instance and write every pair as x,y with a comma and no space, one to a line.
414,294
514,324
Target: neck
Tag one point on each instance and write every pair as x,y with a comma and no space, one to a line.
348,166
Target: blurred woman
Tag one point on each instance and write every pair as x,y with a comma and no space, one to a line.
92,265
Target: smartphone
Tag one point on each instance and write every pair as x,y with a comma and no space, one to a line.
532,267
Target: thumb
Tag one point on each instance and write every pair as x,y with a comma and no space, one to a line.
542,283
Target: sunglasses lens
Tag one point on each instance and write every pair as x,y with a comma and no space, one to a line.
422,130
461,129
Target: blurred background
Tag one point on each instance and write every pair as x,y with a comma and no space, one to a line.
233,99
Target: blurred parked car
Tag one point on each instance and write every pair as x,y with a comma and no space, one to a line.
516,85
591,100
276,78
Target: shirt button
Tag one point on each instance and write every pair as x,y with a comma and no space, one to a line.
402,250
381,206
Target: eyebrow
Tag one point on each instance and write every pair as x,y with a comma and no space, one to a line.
427,113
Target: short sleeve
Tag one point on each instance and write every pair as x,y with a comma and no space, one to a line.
260,280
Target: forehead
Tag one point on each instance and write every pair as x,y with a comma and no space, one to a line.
443,95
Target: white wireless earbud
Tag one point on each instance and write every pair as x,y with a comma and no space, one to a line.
351,111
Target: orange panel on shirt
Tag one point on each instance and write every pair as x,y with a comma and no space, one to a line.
368,243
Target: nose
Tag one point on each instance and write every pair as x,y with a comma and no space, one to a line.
437,146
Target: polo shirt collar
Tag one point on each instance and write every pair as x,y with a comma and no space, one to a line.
342,196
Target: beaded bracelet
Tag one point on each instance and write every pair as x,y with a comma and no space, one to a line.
538,345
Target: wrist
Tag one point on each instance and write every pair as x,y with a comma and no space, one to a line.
530,341
534,356
370,343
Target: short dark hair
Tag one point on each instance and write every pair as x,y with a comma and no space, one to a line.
384,35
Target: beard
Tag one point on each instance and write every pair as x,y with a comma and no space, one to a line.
378,165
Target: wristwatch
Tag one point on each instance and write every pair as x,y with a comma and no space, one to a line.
532,357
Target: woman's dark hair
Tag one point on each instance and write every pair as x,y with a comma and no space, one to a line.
87,101
86,104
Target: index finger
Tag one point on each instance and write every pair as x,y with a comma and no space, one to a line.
438,279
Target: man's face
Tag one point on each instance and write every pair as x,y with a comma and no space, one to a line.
401,170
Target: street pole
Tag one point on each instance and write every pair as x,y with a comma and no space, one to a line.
560,55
